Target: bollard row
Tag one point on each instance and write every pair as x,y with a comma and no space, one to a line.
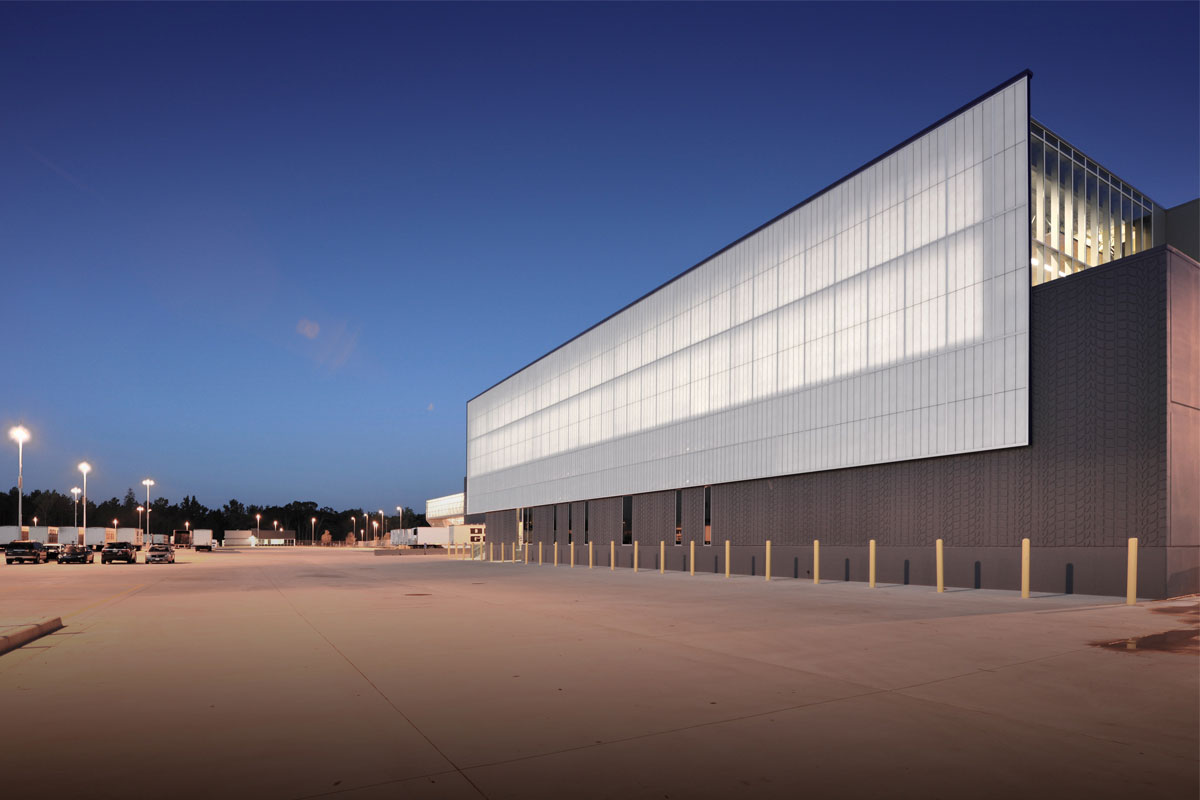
464,551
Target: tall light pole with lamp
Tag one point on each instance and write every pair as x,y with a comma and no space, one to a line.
85,468
20,435
140,510
382,525
257,526
314,530
75,491
354,527
148,482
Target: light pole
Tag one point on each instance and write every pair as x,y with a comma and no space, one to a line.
354,527
314,531
187,527
114,530
382,525
148,482
75,520
35,522
375,527
257,523
20,435
140,510
85,468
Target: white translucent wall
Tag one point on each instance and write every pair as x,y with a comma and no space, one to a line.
885,319
449,506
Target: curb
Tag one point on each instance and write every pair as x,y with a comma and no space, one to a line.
23,636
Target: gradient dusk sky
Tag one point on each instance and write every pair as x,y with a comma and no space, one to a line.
268,251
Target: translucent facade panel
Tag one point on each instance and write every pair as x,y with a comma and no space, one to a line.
884,319
1081,214
452,505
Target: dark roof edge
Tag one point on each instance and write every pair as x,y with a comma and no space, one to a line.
1025,73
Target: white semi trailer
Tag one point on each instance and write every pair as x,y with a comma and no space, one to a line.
95,537
133,535
202,539
443,536
38,533
69,534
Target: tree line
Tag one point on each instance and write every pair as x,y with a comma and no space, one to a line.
57,509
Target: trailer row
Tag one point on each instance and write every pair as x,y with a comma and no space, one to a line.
98,537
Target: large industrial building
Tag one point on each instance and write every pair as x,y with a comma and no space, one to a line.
980,336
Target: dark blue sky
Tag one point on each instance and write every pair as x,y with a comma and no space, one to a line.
269,251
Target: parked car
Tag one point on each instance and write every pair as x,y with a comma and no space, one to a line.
118,551
52,550
76,554
160,554
25,551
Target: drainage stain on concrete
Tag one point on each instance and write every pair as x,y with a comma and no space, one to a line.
1188,613
417,594
1184,640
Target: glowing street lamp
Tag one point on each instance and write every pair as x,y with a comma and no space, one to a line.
114,529
85,468
35,522
148,482
382,524
375,527
75,491
314,530
140,510
257,524
354,527
20,435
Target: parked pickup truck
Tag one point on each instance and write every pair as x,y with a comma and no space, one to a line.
118,551
25,551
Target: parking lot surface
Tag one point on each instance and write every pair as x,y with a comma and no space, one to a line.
293,673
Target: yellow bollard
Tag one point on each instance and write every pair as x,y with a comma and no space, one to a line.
692,556
1024,568
726,558
490,552
768,570
556,554
539,554
591,561
662,556
571,547
941,563
871,564
525,552
612,554
816,560
635,554
1131,574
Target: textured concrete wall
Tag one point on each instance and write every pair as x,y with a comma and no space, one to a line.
1183,425
1105,439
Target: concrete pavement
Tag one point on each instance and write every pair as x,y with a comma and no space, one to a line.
301,673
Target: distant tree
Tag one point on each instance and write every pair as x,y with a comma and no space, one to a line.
326,538
411,519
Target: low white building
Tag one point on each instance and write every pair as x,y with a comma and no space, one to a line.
260,538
